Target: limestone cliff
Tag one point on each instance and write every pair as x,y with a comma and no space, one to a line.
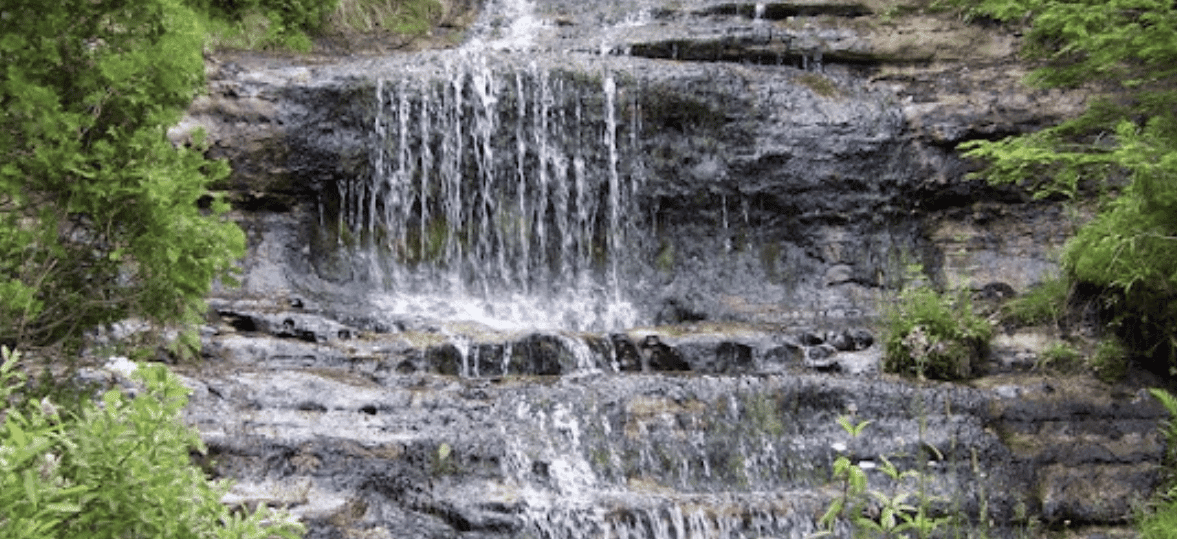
477,274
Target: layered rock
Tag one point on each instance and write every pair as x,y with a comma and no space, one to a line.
755,180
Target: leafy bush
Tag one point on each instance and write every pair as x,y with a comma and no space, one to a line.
256,24
119,469
934,335
400,16
101,217
1124,146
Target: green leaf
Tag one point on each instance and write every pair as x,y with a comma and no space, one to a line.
14,430
831,515
857,479
30,486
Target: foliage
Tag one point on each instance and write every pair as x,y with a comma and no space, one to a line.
1159,519
101,217
290,24
1058,357
1043,304
1169,430
1125,146
896,515
1110,361
400,16
117,469
258,24
934,335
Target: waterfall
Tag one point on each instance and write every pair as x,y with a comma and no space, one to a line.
578,476
501,192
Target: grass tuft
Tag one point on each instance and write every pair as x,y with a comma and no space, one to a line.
408,17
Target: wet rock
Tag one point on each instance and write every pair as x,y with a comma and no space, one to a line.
840,340
660,357
775,173
811,339
823,358
783,356
545,355
1096,493
628,358
445,359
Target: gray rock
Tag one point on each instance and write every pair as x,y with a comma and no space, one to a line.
773,180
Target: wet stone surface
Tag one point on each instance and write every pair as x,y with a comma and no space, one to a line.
613,269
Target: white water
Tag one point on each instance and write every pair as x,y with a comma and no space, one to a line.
501,193
512,26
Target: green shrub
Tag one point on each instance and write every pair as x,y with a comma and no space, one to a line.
101,217
411,17
264,24
1159,521
120,469
1123,148
934,335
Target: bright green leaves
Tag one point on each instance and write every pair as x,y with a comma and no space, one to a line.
1115,40
34,497
903,510
1124,149
121,469
101,217
851,428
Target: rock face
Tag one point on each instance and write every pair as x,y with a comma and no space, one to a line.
357,446
611,270
719,162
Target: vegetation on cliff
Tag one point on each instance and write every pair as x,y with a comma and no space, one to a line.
292,24
101,217
1123,149
116,469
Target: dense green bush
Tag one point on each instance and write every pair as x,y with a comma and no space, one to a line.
934,335
1124,148
101,217
119,469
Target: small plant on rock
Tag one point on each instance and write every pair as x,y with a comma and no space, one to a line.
1110,361
901,512
934,335
1059,357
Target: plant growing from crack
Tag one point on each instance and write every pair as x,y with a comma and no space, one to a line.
877,513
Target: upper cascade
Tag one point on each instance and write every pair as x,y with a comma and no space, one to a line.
505,25
499,193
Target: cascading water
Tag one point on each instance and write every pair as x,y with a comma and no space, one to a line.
503,189
500,193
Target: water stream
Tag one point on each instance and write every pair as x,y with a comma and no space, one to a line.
504,190
501,191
